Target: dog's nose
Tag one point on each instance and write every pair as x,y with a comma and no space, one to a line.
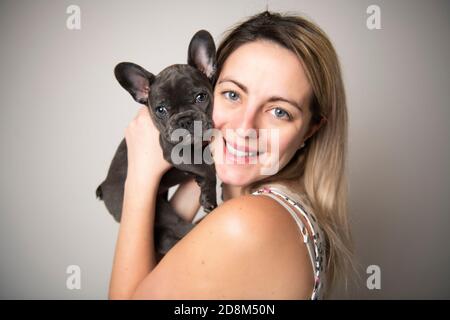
185,123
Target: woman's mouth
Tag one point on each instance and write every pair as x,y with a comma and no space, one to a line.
232,153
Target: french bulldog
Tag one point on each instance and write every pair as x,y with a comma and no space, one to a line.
177,98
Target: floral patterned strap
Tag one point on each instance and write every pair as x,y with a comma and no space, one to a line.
314,243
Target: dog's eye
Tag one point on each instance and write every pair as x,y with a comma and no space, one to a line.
161,110
201,97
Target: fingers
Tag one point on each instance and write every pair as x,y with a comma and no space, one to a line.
141,119
142,113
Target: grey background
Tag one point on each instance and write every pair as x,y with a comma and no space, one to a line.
63,115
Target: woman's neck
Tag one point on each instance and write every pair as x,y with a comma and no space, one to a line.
229,191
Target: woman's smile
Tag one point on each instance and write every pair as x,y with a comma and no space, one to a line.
239,154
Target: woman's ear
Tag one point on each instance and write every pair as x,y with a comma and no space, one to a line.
313,128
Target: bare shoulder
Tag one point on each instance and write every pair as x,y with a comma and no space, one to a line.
247,248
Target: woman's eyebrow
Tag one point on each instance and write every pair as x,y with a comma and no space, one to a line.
291,102
271,99
240,85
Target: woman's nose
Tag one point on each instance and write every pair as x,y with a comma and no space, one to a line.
248,122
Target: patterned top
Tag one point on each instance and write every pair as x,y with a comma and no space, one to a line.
313,235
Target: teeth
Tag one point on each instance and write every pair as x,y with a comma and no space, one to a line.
239,153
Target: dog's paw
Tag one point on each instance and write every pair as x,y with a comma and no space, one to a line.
208,202
209,208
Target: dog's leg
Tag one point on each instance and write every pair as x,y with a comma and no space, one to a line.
205,176
208,192
169,226
112,188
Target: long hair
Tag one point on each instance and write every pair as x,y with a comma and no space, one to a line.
320,166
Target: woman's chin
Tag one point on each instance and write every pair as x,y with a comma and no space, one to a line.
235,176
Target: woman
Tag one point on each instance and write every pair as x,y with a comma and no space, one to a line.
277,73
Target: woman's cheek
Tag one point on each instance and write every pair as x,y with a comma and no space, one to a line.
219,115
283,147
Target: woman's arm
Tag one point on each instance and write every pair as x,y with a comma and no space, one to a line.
135,250
185,200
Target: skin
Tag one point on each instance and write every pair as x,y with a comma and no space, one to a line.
249,230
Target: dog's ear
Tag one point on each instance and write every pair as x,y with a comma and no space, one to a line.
202,53
135,79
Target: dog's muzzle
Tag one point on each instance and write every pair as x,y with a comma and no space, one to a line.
188,127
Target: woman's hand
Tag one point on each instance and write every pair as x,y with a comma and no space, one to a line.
145,156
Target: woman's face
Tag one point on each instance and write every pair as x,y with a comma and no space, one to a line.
262,91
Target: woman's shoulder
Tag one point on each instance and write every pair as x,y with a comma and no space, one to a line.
253,218
257,228
261,214
235,253
262,226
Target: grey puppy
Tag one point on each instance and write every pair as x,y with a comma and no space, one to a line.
176,97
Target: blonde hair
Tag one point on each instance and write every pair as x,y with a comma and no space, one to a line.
320,166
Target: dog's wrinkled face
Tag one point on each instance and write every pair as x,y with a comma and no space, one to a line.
180,95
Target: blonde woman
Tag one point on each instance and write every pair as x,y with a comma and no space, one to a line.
278,236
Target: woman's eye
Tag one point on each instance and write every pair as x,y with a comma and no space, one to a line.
280,113
201,97
231,95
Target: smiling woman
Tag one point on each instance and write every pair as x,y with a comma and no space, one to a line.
271,62
274,73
